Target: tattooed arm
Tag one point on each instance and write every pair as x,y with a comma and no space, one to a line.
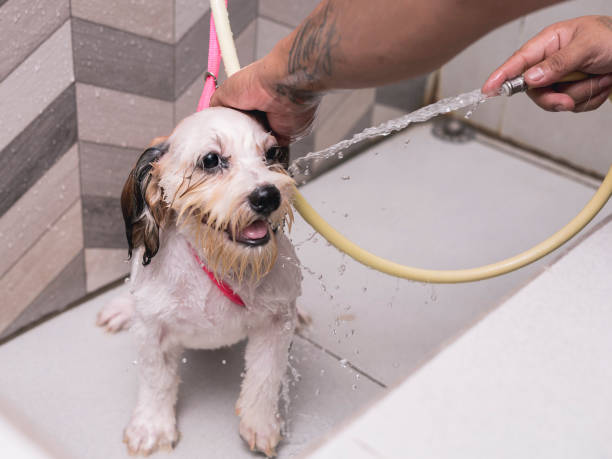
359,43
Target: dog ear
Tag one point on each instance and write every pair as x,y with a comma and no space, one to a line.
144,210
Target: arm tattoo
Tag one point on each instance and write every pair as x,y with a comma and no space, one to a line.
310,56
605,21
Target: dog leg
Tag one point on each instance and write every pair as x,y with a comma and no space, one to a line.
117,314
153,422
266,363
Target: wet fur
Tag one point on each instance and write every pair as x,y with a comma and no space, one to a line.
172,207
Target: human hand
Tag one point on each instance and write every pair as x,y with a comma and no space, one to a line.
582,44
263,86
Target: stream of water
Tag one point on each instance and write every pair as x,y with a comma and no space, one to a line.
303,165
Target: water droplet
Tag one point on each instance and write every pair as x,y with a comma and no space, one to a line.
341,269
343,363
135,362
357,376
346,177
322,371
364,289
354,387
126,280
184,360
317,391
223,362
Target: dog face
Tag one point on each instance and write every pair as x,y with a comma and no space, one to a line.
220,178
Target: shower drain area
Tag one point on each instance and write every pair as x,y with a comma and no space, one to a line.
452,130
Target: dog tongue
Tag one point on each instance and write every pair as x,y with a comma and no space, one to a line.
255,230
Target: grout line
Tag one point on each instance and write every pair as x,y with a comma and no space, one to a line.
281,23
538,158
43,234
32,51
337,357
109,145
47,317
116,29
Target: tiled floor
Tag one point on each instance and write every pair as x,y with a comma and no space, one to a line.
412,198
530,380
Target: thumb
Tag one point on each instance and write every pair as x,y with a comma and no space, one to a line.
555,67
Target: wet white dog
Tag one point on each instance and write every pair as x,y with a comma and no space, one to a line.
205,212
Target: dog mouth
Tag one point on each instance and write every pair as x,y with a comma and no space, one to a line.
253,235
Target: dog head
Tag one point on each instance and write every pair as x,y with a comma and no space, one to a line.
220,178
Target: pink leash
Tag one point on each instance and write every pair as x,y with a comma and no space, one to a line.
214,61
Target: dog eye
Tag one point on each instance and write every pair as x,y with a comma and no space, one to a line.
209,161
273,154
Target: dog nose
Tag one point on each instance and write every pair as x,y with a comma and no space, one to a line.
265,199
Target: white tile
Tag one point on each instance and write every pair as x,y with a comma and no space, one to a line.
18,444
530,380
38,208
422,202
187,103
77,385
153,18
103,266
41,264
382,113
27,91
330,103
541,19
580,139
470,68
268,34
117,118
25,24
335,126
186,14
290,12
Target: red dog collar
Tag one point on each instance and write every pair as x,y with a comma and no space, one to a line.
225,289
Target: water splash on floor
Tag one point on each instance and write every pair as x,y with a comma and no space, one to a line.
303,165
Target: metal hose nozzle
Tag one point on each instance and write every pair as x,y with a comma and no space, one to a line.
513,86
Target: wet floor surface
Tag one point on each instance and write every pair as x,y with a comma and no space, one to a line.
412,198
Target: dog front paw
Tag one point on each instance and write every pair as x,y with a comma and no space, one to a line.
261,435
146,434
116,315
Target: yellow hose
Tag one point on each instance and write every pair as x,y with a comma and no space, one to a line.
230,59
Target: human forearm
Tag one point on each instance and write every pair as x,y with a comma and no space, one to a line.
358,43
361,43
